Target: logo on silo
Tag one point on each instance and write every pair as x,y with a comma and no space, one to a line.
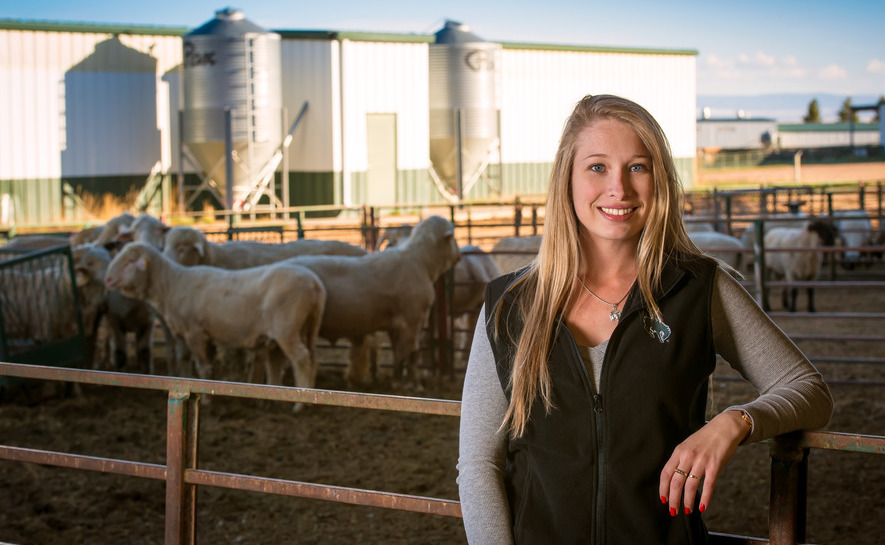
192,57
480,60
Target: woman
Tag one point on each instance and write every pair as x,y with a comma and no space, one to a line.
583,411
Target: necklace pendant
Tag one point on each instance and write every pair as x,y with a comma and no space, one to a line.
614,315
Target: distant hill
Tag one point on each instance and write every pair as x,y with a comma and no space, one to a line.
785,108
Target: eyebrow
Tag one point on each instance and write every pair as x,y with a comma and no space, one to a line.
605,155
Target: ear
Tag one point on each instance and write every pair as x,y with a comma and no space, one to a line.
200,248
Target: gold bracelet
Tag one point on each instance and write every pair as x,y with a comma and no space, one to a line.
746,418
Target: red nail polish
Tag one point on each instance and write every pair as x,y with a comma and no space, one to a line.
663,499
688,510
672,511
702,508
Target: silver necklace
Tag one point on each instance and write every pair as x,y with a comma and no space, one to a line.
615,314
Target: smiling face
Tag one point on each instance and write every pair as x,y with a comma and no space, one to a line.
612,183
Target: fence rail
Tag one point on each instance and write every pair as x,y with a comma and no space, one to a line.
789,453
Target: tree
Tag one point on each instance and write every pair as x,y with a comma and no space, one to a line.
813,112
879,104
846,114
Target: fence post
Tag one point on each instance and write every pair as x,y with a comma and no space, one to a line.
789,485
179,512
534,219
517,216
861,195
759,264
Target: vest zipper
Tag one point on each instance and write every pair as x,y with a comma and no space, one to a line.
600,473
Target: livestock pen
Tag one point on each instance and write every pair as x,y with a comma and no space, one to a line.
183,474
331,451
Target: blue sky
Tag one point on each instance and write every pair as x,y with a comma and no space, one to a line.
750,47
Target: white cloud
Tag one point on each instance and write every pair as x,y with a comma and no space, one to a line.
875,66
831,72
715,62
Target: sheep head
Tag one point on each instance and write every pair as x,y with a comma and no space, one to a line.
90,264
186,246
436,236
130,271
149,230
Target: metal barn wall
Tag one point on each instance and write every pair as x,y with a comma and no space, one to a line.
64,94
541,86
385,78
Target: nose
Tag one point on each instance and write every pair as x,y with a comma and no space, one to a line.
619,183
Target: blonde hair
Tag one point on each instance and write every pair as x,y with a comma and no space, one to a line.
547,286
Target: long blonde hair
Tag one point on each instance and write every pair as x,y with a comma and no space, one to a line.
546,287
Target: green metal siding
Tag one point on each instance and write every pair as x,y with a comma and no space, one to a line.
36,201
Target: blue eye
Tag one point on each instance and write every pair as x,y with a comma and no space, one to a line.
638,168
597,168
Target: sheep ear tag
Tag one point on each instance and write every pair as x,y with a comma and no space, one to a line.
141,264
656,328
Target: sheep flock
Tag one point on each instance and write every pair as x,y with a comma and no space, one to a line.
264,306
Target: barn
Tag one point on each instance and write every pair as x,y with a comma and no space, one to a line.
319,117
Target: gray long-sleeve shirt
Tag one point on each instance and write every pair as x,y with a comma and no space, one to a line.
792,396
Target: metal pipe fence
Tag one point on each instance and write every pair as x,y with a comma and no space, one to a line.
182,474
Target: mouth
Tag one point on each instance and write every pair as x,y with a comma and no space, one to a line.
618,213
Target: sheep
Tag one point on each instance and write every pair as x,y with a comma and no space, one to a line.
189,246
799,265
110,229
393,235
855,231
85,235
514,253
728,249
388,291
145,228
122,314
282,304
473,271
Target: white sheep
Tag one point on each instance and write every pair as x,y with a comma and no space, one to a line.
280,304
110,229
514,253
802,265
726,248
474,270
855,231
388,291
189,246
145,228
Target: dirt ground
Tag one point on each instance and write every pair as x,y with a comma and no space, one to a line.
403,453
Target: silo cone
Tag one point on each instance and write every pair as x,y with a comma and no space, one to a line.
463,74
230,62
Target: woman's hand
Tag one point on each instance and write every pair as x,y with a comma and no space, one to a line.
699,459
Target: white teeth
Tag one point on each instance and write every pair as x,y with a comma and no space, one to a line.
617,211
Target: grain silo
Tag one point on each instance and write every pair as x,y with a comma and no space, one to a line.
231,63
464,105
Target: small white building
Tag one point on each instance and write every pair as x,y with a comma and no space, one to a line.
797,136
94,109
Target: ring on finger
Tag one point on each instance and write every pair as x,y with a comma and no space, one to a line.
690,476
684,474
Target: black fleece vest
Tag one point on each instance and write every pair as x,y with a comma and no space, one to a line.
588,471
